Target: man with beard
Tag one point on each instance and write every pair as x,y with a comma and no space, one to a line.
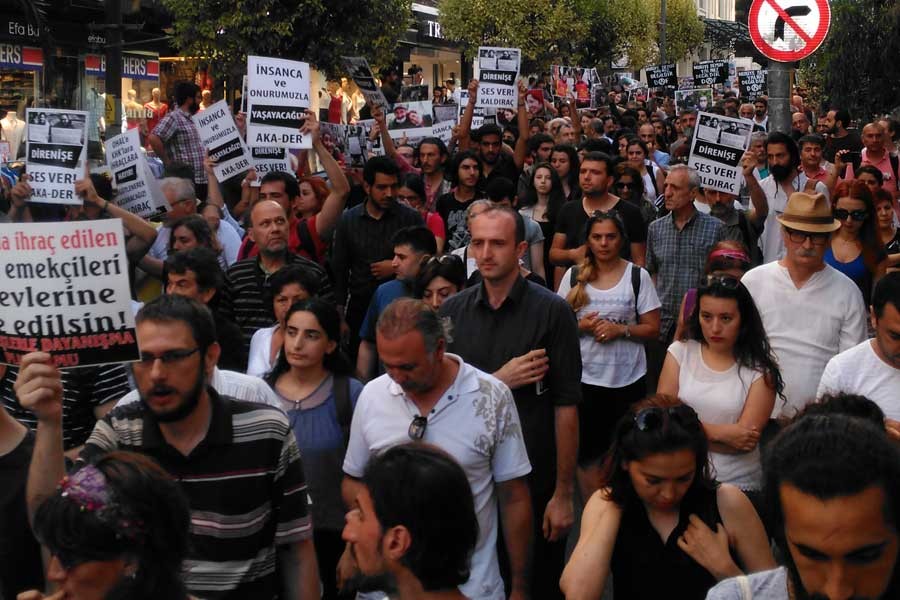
840,138
237,462
833,484
783,180
740,225
429,395
175,138
245,300
810,311
489,139
761,113
411,553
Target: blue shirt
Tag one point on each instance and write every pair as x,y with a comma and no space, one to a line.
385,294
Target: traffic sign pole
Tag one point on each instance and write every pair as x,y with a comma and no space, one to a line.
779,81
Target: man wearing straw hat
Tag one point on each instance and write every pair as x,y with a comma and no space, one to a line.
811,311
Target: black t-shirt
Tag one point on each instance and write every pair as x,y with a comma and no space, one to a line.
505,167
20,554
453,212
850,142
572,220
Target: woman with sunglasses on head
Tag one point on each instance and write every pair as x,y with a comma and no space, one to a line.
617,310
727,372
854,249
440,278
888,234
661,525
116,529
312,380
411,192
728,257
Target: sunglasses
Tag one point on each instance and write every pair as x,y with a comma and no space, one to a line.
656,418
625,185
445,259
416,429
841,214
725,282
800,237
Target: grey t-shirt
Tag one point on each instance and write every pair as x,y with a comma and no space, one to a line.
765,585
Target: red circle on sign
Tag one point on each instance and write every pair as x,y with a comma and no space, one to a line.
815,40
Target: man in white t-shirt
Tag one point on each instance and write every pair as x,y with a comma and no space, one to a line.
810,311
432,396
872,369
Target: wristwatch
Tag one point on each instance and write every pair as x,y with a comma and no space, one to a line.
627,333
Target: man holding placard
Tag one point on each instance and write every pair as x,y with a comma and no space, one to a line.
175,138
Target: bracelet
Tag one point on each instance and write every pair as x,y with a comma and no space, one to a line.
105,205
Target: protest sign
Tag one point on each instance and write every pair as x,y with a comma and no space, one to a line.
411,120
710,72
574,82
696,99
66,292
265,160
373,145
359,70
444,131
244,95
498,69
753,84
414,93
277,99
137,191
662,76
356,145
718,145
478,114
445,112
221,138
55,154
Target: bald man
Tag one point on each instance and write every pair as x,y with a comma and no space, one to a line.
877,155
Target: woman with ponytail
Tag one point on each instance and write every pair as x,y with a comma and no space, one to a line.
617,310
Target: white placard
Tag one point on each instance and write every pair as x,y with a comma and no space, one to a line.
412,120
269,160
221,138
498,69
66,292
277,100
443,130
362,76
55,153
136,191
719,144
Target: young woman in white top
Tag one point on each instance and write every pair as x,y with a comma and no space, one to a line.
289,284
613,324
654,178
727,372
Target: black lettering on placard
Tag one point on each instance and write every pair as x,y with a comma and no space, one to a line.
277,116
54,155
126,175
504,77
662,76
268,153
753,83
710,72
720,154
227,151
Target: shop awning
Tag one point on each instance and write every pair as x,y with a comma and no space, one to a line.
26,58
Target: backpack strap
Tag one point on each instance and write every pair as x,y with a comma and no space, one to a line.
573,276
636,288
341,391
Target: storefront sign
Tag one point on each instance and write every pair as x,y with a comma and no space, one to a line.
134,66
13,56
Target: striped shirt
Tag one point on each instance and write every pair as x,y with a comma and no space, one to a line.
245,486
84,389
247,301
182,141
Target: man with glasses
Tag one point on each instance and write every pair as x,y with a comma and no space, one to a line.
237,462
432,396
811,311
182,199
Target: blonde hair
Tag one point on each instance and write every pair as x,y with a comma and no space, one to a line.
587,269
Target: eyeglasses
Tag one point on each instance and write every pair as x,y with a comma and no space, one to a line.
655,417
445,259
410,199
722,281
168,358
800,237
841,214
416,429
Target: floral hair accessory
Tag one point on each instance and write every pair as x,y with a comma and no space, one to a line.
88,488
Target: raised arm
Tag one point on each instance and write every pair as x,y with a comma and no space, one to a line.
757,196
214,191
339,188
465,124
521,150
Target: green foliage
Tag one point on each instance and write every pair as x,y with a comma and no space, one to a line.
583,32
316,31
856,68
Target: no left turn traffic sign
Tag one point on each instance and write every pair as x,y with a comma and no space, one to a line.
788,30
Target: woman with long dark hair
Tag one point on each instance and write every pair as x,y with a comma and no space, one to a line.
639,159
727,372
412,193
193,231
312,379
116,529
888,234
617,310
629,186
564,160
542,202
661,525
440,278
855,249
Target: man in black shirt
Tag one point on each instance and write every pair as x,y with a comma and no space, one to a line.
465,174
595,177
840,138
534,349
362,251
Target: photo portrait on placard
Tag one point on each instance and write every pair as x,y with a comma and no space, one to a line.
409,115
